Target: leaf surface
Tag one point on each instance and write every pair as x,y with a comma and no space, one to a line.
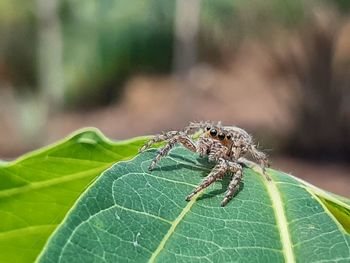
133,215
37,190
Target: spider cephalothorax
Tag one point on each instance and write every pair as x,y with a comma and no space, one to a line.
223,145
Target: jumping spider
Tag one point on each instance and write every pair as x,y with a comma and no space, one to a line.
223,145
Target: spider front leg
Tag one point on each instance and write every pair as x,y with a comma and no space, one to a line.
218,172
178,138
236,169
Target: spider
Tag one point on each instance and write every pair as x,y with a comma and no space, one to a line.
223,145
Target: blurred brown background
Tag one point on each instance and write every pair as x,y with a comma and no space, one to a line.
279,69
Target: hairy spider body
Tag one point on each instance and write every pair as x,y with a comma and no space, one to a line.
223,145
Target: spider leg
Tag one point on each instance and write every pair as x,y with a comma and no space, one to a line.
236,152
262,158
188,130
161,153
236,169
158,138
193,127
218,172
180,138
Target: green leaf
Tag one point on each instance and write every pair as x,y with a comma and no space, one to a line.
37,190
132,215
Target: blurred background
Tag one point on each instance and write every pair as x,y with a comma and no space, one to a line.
279,69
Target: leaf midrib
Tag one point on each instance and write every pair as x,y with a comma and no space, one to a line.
281,220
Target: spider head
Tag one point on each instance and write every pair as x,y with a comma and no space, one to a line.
219,134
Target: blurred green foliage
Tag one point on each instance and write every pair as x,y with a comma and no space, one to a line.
105,41
18,44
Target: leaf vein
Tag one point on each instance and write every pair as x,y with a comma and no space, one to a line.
48,183
174,224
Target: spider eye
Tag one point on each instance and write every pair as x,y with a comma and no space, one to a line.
207,128
229,137
221,136
213,132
